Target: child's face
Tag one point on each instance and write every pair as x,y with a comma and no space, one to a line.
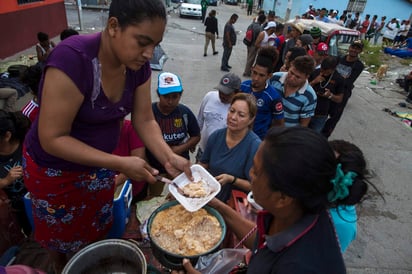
169,102
45,43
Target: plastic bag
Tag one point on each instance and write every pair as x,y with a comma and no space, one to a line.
221,262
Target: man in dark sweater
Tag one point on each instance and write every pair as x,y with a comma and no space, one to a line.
349,67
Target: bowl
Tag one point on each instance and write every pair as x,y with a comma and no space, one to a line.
174,261
199,173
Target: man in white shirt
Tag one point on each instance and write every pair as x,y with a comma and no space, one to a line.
214,107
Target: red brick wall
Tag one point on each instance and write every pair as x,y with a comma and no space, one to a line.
20,25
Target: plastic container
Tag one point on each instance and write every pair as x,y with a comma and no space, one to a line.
121,210
199,173
252,201
27,206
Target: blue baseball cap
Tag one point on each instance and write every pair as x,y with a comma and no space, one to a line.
169,83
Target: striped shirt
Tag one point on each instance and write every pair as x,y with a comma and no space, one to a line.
300,105
31,109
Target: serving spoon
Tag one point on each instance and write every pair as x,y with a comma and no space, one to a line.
170,182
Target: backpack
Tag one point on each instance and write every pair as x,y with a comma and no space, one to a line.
248,40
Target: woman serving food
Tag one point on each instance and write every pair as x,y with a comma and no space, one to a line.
91,83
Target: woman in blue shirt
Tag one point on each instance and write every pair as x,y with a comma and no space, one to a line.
229,151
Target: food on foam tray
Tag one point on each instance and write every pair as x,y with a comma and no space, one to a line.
195,189
179,231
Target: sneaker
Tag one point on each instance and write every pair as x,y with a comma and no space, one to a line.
224,69
205,55
229,66
215,52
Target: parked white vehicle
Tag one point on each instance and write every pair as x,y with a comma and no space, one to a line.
190,8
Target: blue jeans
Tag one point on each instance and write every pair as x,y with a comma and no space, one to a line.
317,123
225,58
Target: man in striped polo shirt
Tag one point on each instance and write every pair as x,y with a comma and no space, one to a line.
298,97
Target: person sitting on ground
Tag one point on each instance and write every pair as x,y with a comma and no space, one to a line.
67,33
177,122
403,50
329,87
408,87
214,107
43,47
10,83
9,96
229,151
13,129
298,97
296,178
31,77
270,108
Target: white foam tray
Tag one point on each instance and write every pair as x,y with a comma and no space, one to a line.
212,186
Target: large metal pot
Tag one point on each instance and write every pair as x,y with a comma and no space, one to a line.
174,261
108,256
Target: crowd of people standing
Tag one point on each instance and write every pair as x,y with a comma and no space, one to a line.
393,32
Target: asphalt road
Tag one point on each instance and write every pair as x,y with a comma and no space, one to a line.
383,243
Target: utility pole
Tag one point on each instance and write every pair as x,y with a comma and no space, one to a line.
288,10
80,14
